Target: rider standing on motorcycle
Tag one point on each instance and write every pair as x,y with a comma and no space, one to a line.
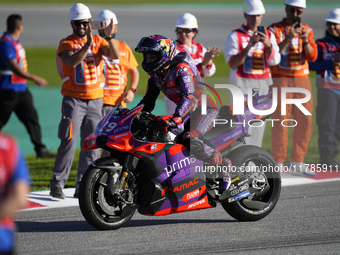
177,77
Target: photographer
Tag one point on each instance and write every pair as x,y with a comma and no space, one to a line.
249,53
297,47
327,67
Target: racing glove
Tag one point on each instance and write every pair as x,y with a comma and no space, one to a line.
168,124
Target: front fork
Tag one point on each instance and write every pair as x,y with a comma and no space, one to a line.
122,184
129,165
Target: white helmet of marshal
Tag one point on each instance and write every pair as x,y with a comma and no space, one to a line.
107,15
296,3
334,16
187,20
253,7
80,11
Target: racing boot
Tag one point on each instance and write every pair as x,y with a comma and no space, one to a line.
226,180
223,166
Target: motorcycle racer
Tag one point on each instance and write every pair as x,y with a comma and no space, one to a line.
179,80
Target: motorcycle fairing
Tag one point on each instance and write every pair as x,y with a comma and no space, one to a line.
223,135
177,187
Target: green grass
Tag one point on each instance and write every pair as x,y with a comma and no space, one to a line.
41,61
42,171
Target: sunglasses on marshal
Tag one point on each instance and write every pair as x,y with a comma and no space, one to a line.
183,30
79,23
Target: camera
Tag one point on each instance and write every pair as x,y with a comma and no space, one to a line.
260,29
297,19
97,25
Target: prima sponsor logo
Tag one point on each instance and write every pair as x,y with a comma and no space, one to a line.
120,129
178,165
197,203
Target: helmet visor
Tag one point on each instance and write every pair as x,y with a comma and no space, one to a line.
148,44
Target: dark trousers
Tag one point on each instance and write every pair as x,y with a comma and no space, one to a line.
328,120
22,104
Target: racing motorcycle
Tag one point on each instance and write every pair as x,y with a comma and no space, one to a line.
153,172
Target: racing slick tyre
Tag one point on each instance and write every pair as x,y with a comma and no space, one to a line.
100,209
262,164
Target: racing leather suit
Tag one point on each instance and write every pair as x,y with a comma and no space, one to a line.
183,85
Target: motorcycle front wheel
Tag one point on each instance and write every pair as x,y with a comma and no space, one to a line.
265,168
100,209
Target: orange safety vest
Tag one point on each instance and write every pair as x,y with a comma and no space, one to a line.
86,80
115,71
294,61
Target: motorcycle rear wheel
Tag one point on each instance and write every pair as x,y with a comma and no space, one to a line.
97,207
257,208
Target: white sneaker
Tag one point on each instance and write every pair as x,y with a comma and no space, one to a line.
300,168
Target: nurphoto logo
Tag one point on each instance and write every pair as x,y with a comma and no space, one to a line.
238,103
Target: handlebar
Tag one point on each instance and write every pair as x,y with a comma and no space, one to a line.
146,126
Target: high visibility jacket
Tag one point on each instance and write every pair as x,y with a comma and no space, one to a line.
12,49
86,80
294,60
328,74
197,52
115,71
256,65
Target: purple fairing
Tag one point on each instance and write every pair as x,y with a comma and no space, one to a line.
180,170
260,103
240,121
173,164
